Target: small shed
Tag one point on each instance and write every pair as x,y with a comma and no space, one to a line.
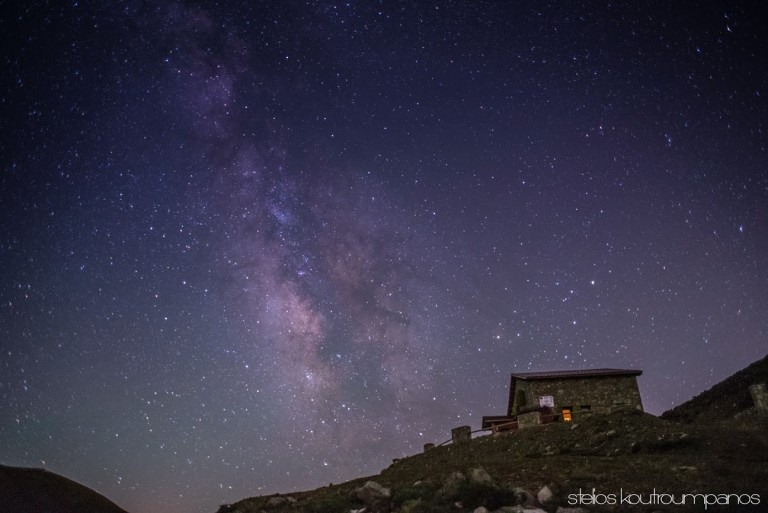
540,397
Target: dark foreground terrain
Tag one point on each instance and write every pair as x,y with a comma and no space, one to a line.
32,490
625,452
728,399
715,445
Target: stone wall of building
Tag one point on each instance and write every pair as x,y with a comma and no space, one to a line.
582,395
526,420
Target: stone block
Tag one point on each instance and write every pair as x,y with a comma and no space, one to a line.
461,434
530,419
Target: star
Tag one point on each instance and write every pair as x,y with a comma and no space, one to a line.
256,250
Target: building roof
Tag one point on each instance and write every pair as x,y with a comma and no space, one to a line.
580,373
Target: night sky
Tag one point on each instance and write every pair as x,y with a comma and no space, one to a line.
258,247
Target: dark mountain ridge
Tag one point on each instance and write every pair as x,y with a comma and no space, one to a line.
724,400
35,490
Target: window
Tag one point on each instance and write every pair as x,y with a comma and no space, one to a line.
585,407
567,414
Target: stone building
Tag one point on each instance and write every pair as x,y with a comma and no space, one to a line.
541,397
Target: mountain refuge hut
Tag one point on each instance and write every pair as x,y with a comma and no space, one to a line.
552,396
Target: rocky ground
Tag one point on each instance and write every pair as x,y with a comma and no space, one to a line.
622,458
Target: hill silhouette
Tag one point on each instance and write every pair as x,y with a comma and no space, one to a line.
34,490
724,400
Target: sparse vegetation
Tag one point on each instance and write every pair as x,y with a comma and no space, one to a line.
419,491
625,450
332,502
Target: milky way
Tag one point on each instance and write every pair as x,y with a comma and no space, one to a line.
262,247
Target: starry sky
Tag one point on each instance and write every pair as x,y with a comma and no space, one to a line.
258,247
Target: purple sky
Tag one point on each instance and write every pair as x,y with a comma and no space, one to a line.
264,247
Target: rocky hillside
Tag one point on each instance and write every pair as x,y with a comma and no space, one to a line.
545,468
724,400
709,454
32,490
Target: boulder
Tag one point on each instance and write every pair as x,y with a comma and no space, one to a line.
479,475
544,495
375,496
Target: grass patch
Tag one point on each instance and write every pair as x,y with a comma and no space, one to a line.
423,491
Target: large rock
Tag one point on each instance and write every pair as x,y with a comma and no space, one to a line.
544,495
375,496
479,475
760,397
